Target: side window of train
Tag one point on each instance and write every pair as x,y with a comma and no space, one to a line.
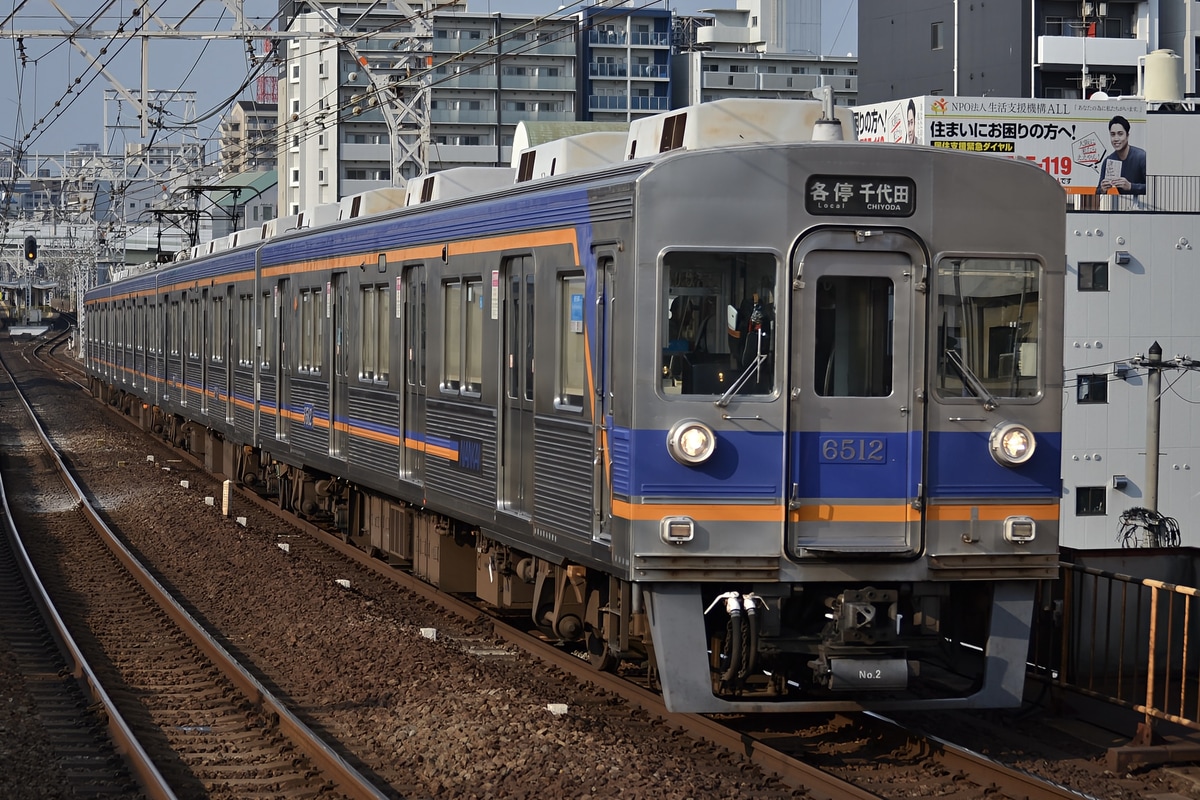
312,331
717,323
173,328
988,328
268,327
195,333
217,338
375,333
245,339
462,359
572,344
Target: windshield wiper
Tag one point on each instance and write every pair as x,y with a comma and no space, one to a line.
989,400
759,358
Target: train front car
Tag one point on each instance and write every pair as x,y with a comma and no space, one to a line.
844,485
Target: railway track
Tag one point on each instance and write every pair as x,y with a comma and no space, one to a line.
205,725
846,756
60,721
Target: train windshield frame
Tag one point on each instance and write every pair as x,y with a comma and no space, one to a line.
989,329
717,324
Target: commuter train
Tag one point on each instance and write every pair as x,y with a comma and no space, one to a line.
772,417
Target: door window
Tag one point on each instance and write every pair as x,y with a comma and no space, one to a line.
855,337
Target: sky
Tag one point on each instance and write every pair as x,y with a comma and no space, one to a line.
52,97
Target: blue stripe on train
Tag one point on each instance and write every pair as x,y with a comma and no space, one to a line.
831,464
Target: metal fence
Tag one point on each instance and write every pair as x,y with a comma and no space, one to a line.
1123,639
1176,194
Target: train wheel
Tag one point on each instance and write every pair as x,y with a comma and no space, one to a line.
598,653
596,633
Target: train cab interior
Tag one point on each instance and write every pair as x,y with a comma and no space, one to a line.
718,323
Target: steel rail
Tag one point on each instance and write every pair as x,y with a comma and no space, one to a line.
346,777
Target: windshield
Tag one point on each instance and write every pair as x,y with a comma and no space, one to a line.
988,325
717,324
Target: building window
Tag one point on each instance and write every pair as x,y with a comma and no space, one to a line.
1093,276
935,36
295,177
1090,501
295,72
1092,389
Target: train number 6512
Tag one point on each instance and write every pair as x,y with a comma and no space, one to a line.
856,450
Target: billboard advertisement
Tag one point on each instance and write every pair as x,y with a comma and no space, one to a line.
1089,146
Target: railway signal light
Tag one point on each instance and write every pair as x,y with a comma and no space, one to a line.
30,248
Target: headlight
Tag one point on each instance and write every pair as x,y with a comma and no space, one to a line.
1011,444
691,442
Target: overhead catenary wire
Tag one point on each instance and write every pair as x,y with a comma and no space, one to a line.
306,125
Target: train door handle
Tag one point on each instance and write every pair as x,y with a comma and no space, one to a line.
903,410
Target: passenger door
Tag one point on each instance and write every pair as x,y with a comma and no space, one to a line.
339,423
412,414
856,415
283,370
602,418
515,492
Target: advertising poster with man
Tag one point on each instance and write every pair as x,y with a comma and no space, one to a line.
1090,146
890,122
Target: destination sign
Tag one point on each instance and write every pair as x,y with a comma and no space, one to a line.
860,196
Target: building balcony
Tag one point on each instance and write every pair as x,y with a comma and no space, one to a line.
552,83
464,80
545,46
776,82
477,117
639,71
622,39
365,152
745,81
725,34
481,46
1069,51
623,103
